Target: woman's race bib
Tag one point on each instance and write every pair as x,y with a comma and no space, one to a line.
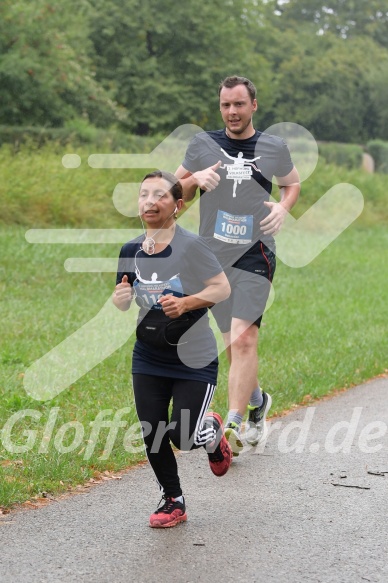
148,293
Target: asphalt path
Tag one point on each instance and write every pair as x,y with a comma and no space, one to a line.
312,506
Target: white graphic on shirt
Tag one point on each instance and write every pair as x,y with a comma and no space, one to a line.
240,170
154,277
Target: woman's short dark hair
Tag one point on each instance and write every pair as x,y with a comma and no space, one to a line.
233,81
176,187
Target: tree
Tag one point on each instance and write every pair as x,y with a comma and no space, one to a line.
164,59
343,18
335,87
46,74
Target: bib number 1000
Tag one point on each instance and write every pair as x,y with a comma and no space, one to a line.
230,229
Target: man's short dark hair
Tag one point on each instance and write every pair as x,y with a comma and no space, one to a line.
230,82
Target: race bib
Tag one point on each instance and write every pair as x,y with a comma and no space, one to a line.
237,229
148,294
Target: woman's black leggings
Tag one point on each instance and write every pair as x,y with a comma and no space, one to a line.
185,429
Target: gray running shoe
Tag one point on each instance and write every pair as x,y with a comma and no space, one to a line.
256,429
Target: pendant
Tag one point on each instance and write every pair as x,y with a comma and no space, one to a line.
148,246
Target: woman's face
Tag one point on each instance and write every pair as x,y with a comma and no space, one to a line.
156,203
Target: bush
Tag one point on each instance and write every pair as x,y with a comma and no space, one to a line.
16,135
78,133
379,152
348,155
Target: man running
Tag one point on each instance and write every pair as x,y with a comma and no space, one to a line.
234,168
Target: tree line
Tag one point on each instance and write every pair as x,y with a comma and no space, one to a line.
148,66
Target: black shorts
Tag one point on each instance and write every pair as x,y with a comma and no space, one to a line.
250,279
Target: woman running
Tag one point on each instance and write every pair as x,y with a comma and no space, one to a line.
173,277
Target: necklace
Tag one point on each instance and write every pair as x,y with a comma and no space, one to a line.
149,243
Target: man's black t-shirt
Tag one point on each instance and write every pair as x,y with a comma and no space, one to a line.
230,215
181,269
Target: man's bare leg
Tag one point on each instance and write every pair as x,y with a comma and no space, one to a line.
243,358
241,348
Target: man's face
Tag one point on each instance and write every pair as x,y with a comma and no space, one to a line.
237,109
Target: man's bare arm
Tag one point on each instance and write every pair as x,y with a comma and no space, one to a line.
206,179
289,187
189,184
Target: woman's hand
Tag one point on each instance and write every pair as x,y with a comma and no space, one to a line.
172,306
216,290
122,296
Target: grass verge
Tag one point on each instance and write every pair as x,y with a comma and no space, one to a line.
325,330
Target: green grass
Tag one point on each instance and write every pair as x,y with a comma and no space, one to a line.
326,329
327,326
37,191
372,186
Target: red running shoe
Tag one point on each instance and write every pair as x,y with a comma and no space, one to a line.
169,514
221,458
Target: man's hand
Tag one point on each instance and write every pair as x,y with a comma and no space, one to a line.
274,221
122,295
208,179
172,306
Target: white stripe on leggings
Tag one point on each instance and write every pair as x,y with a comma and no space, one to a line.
201,437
